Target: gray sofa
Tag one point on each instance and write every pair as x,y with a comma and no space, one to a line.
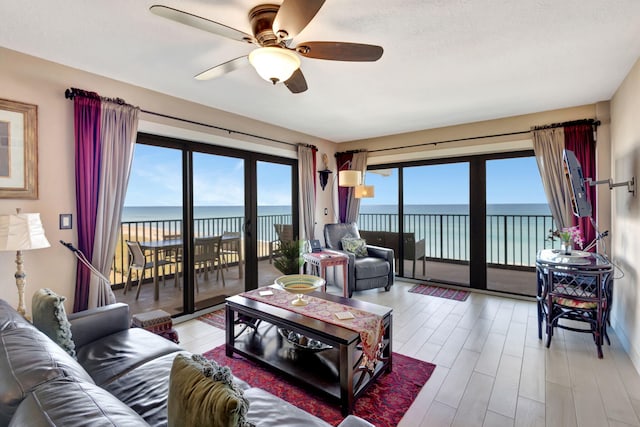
373,271
120,377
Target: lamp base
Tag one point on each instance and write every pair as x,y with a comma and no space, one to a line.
20,284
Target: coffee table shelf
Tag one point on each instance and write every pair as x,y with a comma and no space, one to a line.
332,372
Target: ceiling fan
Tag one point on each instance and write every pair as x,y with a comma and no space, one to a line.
273,28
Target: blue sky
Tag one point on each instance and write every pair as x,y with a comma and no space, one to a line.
156,180
508,181
219,181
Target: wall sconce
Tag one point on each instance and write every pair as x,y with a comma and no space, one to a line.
324,177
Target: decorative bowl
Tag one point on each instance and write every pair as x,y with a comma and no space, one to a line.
300,284
301,342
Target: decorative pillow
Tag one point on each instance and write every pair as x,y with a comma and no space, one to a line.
202,393
356,246
50,318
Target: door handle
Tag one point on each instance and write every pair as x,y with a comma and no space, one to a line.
246,228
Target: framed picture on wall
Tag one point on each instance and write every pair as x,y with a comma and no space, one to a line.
18,150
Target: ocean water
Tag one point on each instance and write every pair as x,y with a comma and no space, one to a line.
515,232
151,213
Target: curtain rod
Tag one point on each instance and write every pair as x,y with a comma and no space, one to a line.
350,152
73,92
591,122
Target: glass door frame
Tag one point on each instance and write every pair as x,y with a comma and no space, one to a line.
250,158
477,206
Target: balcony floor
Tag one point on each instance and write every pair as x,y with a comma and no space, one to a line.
211,292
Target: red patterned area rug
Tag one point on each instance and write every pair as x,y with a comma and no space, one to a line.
215,318
383,404
438,291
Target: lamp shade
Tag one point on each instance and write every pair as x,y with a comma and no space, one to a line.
349,178
274,64
364,191
21,232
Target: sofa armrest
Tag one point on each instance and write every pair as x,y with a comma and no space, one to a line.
90,325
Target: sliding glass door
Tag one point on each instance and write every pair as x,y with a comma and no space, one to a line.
218,222
204,218
436,222
476,221
275,225
518,218
152,213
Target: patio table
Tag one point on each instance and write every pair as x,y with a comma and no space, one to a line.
157,246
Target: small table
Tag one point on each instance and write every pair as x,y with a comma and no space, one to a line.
319,262
583,276
334,372
157,246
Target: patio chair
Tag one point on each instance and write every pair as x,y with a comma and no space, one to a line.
174,255
138,262
207,258
285,234
230,249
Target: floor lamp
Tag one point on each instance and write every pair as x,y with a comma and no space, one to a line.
21,232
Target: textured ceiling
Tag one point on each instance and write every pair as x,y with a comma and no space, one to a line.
445,62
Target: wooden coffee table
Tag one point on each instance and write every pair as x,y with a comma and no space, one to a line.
334,372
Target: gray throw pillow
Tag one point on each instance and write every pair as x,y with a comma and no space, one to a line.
50,318
202,393
356,246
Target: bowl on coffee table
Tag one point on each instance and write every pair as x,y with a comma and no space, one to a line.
300,284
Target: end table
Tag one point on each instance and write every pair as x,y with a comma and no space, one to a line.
319,261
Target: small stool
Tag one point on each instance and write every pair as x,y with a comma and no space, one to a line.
157,321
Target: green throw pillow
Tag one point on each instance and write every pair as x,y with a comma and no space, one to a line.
356,246
50,318
203,394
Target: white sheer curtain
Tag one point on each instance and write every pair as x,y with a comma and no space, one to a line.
119,126
548,145
307,165
359,163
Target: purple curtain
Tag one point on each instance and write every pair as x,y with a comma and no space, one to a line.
87,144
579,139
344,161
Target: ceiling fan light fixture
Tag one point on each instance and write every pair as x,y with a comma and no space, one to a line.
274,64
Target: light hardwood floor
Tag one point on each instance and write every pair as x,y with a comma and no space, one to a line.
491,368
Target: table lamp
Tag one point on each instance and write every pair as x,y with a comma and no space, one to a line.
21,232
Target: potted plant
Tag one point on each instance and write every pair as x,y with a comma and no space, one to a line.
568,236
289,259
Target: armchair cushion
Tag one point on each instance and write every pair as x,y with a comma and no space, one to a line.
369,267
356,246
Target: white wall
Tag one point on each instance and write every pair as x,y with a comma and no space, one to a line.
625,212
31,80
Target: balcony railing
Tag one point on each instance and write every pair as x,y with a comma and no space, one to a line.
513,240
144,231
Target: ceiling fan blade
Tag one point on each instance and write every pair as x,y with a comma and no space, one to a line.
340,51
200,23
293,16
296,83
223,68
